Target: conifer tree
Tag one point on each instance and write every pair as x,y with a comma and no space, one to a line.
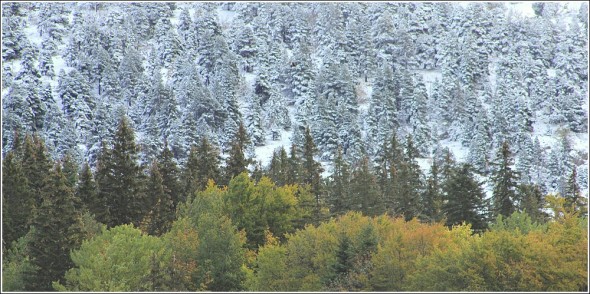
311,169
364,191
432,197
573,196
70,170
17,200
119,179
464,199
36,164
407,200
237,161
532,202
86,192
339,189
504,178
57,232
294,173
170,175
159,198
202,166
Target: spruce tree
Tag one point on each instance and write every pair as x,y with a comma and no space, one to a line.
573,196
86,191
532,202
159,198
504,178
119,179
57,232
202,166
312,169
364,191
339,188
36,164
294,173
432,197
237,161
464,199
17,200
170,175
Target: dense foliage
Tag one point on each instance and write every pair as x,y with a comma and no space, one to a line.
133,167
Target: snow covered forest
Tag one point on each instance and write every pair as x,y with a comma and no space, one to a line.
370,102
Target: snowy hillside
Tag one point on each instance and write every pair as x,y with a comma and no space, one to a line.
463,77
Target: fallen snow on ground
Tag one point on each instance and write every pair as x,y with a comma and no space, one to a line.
264,153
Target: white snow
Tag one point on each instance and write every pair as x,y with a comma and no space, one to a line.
551,72
33,35
424,164
264,153
429,77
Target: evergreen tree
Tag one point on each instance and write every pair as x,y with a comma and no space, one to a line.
86,192
311,170
57,232
36,165
464,199
364,191
161,215
339,186
504,178
119,179
202,166
170,175
17,200
432,198
533,202
573,196
294,173
236,162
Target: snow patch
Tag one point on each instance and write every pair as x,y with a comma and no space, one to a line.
33,35
429,77
264,153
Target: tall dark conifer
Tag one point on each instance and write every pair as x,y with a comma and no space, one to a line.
119,179
57,232
573,196
311,170
339,188
464,199
170,175
504,178
364,190
432,197
17,200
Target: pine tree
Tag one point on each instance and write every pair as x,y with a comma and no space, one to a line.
432,197
407,201
364,191
294,172
202,166
158,196
119,179
504,178
57,232
311,170
339,186
170,175
17,200
36,164
464,199
237,162
573,196
532,202
86,192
